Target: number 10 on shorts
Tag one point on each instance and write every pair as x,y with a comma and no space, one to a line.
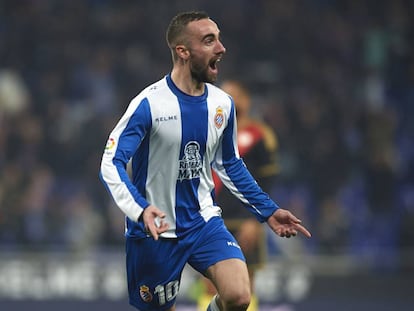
168,292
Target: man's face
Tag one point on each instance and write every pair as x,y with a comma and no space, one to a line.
205,49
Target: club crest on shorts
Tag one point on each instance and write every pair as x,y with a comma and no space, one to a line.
145,293
219,117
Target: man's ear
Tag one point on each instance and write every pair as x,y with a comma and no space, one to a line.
182,51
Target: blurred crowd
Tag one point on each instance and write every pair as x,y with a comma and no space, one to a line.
335,80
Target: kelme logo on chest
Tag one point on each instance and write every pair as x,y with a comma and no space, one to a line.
166,118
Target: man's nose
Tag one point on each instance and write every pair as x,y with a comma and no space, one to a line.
220,48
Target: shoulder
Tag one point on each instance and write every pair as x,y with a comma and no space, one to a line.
218,95
156,89
143,100
215,91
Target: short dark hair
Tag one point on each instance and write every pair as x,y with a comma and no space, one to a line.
178,23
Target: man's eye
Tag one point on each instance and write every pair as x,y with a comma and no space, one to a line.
209,41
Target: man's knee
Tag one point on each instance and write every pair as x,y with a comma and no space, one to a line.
231,279
242,303
237,299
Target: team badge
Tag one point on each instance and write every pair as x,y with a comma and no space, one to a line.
145,293
219,117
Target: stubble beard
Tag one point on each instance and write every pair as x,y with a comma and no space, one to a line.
200,73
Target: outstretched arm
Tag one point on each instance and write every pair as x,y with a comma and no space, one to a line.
285,224
234,174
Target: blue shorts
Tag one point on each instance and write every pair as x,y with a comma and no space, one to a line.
154,268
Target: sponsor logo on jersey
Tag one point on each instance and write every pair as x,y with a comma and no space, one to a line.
219,117
165,118
145,293
190,165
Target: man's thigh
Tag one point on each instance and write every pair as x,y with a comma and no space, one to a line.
230,277
218,256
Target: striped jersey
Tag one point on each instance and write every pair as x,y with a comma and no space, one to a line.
173,141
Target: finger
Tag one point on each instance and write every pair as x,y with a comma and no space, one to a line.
163,227
294,219
303,230
160,214
293,232
156,212
153,231
277,231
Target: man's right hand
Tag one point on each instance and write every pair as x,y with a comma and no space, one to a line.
148,216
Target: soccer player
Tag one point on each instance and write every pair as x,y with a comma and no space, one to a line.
174,132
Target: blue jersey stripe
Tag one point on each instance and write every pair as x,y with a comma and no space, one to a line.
194,123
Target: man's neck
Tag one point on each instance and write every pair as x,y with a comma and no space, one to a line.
186,83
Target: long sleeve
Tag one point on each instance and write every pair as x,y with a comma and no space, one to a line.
124,140
237,178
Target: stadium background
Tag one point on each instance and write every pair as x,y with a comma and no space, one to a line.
335,79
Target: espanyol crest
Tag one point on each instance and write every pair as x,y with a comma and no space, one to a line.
219,117
145,293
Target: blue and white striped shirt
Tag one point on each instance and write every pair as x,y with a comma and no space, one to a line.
174,140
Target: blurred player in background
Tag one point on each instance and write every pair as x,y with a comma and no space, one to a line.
174,132
257,145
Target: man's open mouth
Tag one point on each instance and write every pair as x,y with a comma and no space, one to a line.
213,63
